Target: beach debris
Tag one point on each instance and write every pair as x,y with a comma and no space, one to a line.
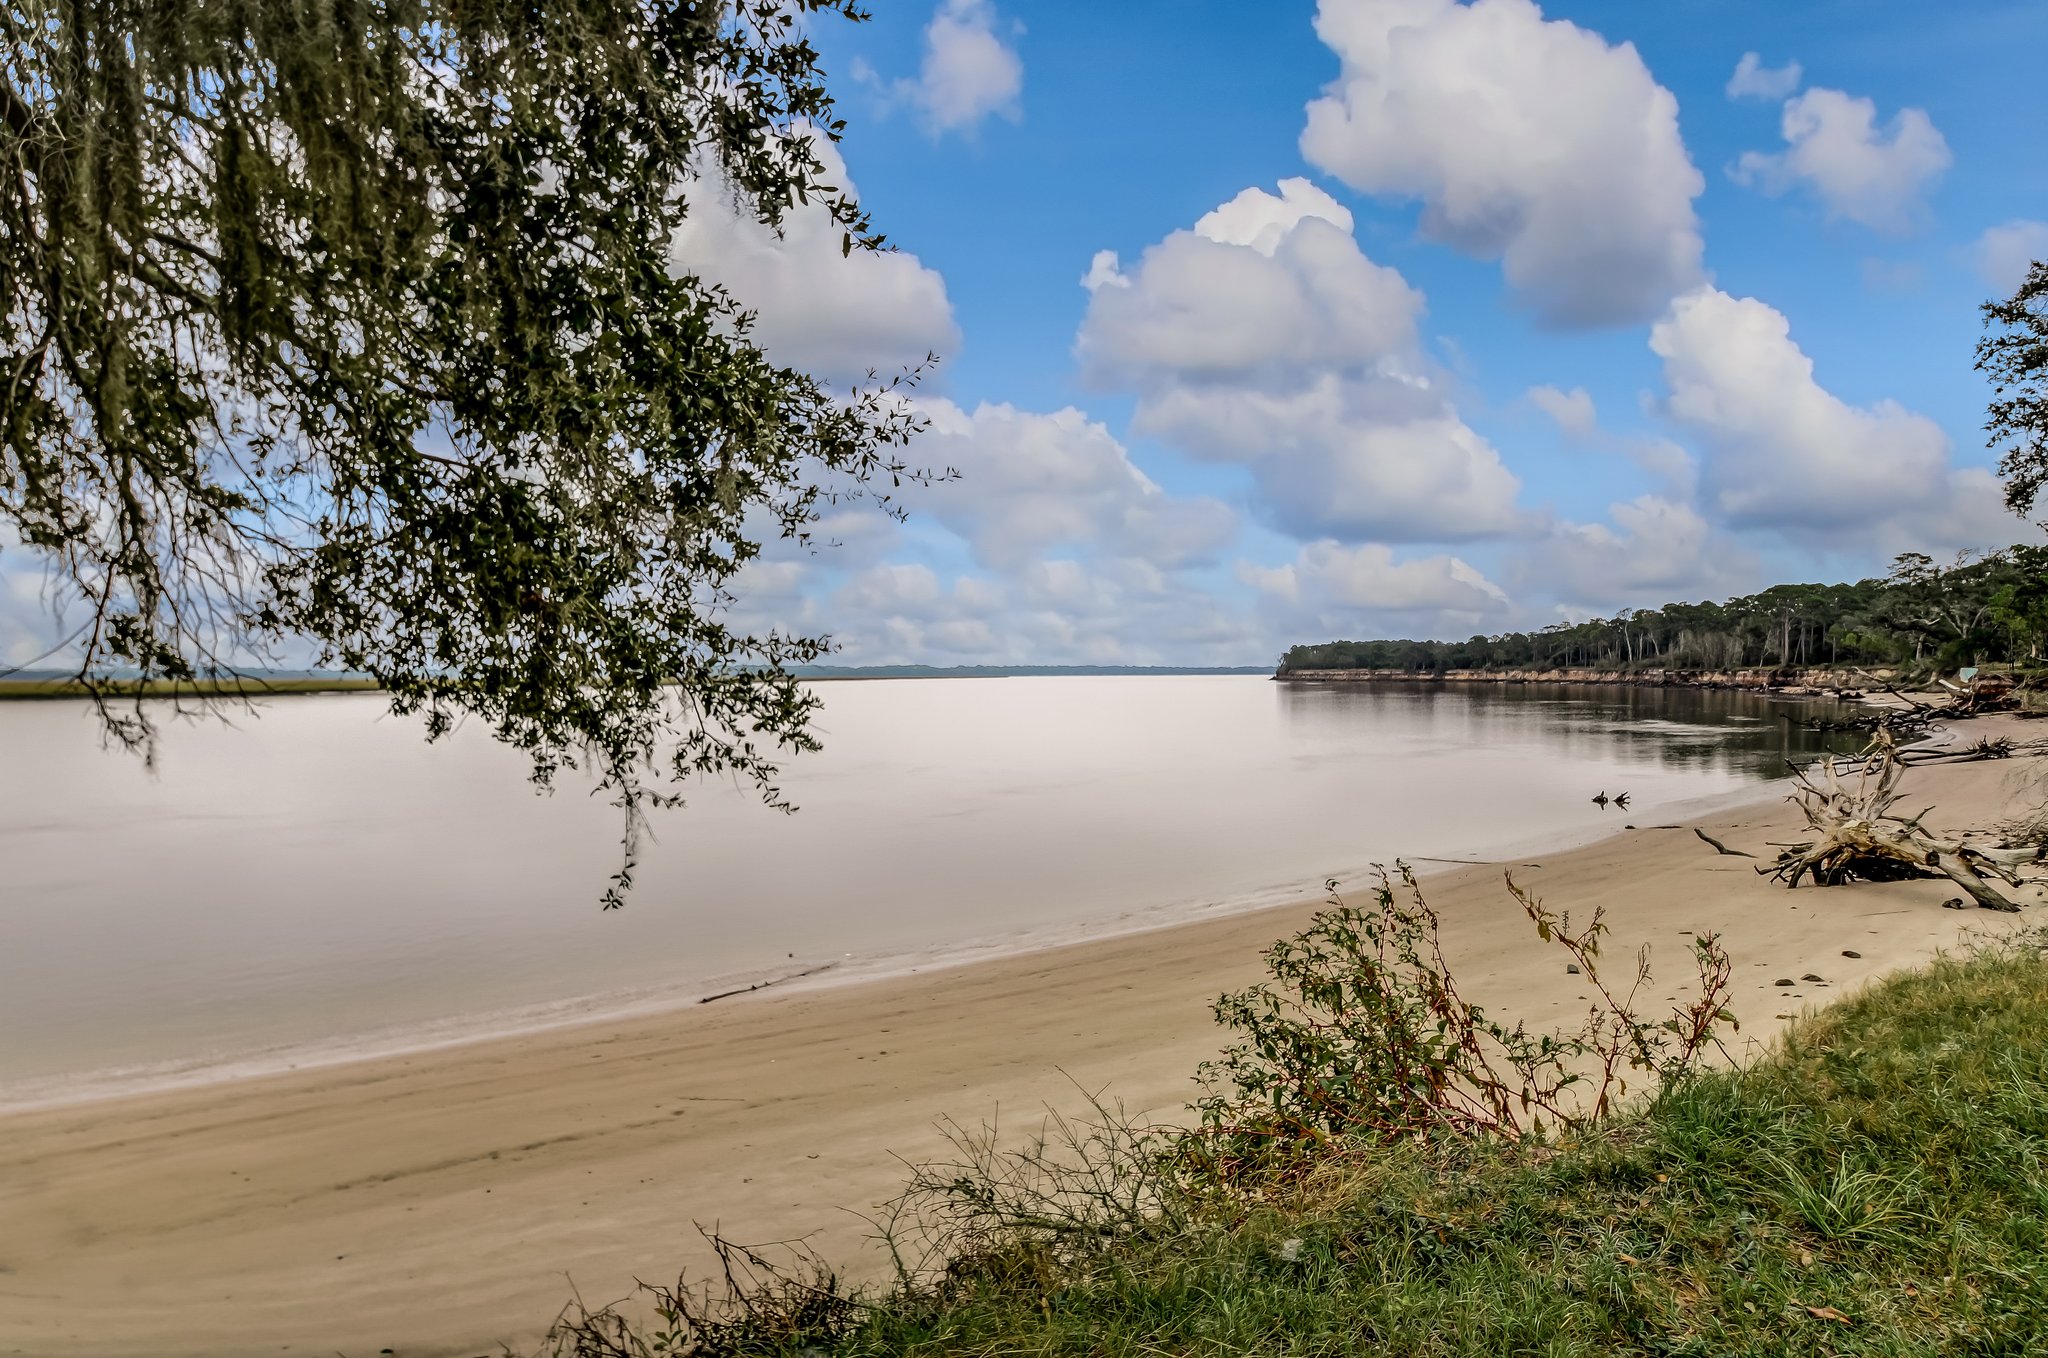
771,981
1784,980
1290,1250
1859,836
1955,903
1851,952
1571,968
1718,846
1809,976
1905,713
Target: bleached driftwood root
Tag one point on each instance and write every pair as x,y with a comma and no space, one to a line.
1857,835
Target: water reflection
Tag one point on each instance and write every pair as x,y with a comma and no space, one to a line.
1719,730
319,879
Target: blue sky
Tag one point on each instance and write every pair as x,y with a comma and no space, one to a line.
1515,312
1593,319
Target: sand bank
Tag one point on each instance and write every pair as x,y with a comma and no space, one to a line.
443,1203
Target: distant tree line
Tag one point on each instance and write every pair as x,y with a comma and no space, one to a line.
1989,608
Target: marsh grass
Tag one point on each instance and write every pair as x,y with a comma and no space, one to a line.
232,686
1876,1186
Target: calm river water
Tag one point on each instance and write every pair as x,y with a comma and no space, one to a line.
316,881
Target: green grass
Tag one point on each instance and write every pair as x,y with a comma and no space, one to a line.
1886,1167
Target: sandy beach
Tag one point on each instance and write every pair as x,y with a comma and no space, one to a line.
445,1203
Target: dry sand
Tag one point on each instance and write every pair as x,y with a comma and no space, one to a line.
443,1203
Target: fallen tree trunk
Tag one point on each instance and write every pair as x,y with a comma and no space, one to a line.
1956,704
1857,836
1958,869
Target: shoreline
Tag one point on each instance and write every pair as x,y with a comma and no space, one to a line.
801,976
432,1203
1818,682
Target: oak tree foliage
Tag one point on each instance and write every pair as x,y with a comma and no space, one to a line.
351,327
2014,355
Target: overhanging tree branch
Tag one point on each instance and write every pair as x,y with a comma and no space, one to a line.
256,261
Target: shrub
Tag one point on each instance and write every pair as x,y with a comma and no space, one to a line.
1362,1033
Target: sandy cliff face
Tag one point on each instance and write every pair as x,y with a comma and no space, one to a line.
1777,680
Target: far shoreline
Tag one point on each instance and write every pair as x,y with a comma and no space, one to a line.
44,689
1765,682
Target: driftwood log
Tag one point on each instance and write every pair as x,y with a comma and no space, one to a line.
1719,847
1910,714
1858,834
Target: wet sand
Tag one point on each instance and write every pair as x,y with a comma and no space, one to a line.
444,1203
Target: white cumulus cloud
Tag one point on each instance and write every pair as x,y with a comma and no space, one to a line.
1572,411
970,70
1343,459
1857,169
1782,451
1754,80
1077,556
1265,222
1030,482
1575,413
1367,577
1262,287
2005,253
835,316
1332,589
1654,550
1051,611
1529,140
1265,338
